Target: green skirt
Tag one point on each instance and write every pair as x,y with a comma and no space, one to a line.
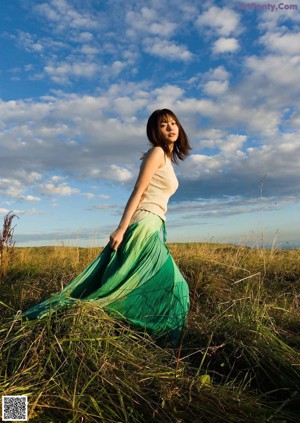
139,283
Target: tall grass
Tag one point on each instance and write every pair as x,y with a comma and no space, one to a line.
6,242
239,361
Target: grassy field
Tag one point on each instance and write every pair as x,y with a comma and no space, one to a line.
240,361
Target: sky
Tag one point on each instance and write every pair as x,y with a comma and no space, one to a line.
78,81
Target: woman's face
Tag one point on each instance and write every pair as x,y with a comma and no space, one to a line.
169,130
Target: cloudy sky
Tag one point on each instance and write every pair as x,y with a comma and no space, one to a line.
79,79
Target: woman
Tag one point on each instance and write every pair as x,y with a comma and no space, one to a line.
135,277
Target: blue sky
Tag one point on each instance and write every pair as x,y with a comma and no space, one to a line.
79,79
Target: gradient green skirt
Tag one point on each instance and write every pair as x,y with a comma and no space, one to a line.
139,283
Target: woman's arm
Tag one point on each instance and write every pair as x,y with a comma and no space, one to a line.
154,160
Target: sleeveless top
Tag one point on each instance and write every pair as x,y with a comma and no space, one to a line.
162,185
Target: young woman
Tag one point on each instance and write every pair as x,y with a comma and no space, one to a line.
135,278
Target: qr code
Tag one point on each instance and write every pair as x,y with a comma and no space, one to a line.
14,408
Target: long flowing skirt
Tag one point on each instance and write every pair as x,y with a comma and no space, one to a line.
139,283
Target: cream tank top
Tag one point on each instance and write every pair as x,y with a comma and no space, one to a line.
163,184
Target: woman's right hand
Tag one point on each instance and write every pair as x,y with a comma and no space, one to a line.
116,238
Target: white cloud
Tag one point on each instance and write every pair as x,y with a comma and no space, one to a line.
152,28
128,106
83,135
200,164
26,212
90,195
167,96
294,120
118,173
74,33
56,178
167,50
32,177
147,21
62,16
216,88
288,43
211,133
88,50
225,45
29,198
219,73
61,189
11,187
281,70
84,37
88,43
80,107
228,146
117,67
237,169
115,208
232,146
233,109
224,21
71,134
228,206
26,41
217,81
62,72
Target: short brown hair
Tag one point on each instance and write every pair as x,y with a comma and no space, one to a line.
181,146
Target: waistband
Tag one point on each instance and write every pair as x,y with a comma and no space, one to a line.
142,215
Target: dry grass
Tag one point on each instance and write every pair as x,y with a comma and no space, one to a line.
6,242
83,366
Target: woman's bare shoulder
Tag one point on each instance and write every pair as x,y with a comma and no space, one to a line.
156,154
157,151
